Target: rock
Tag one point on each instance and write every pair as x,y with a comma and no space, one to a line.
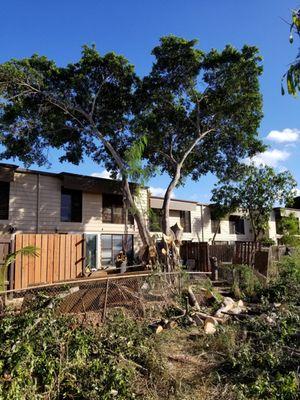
210,326
159,329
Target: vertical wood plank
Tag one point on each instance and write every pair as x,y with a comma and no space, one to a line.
62,257
50,258
56,257
31,261
73,257
18,263
44,257
24,263
38,244
68,257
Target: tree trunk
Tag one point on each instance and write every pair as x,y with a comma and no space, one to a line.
167,202
139,219
217,230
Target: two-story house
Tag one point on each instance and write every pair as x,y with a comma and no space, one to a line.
44,202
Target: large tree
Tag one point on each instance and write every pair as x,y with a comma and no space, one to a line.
82,109
200,111
255,191
193,113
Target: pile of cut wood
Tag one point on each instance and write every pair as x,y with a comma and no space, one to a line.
194,314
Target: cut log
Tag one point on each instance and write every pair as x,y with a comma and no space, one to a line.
192,299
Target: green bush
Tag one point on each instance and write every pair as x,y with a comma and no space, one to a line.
286,287
48,356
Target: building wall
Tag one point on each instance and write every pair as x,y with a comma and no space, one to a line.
38,210
201,226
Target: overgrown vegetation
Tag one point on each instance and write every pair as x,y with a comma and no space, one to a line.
255,355
47,356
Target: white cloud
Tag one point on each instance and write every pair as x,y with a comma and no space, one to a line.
270,157
104,174
157,191
285,136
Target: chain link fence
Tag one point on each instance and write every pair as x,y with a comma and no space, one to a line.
139,295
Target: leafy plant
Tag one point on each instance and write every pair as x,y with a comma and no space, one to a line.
45,355
30,251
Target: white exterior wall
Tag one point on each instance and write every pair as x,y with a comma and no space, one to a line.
33,210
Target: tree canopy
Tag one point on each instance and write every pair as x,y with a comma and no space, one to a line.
255,192
194,113
201,111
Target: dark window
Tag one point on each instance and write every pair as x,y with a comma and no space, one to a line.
111,245
113,211
185,220
215,226
71,205
236,225
4,200
155,220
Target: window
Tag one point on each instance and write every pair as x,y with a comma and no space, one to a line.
4,200
236,225
215,226
185,220
155,220
71,205
111,245
91,250
113,210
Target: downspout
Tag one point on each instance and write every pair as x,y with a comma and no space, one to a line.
202,222
37,203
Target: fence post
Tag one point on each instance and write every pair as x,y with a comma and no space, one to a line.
214,268
105,300
11,268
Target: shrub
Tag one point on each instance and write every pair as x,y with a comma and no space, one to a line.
45,355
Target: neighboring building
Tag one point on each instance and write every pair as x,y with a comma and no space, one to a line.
198,225
278,213
43,202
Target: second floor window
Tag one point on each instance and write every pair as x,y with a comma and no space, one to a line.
4,200
236,225
71,205
113,211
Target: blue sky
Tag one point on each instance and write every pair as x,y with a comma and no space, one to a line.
58,29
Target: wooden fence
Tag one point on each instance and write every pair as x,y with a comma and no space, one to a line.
245,252
200,253
61,258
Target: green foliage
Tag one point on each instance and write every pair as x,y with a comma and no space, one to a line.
292,76
44,355
245,284
30,251
262,364
267,242
190,93
256,204
289,227
285,288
